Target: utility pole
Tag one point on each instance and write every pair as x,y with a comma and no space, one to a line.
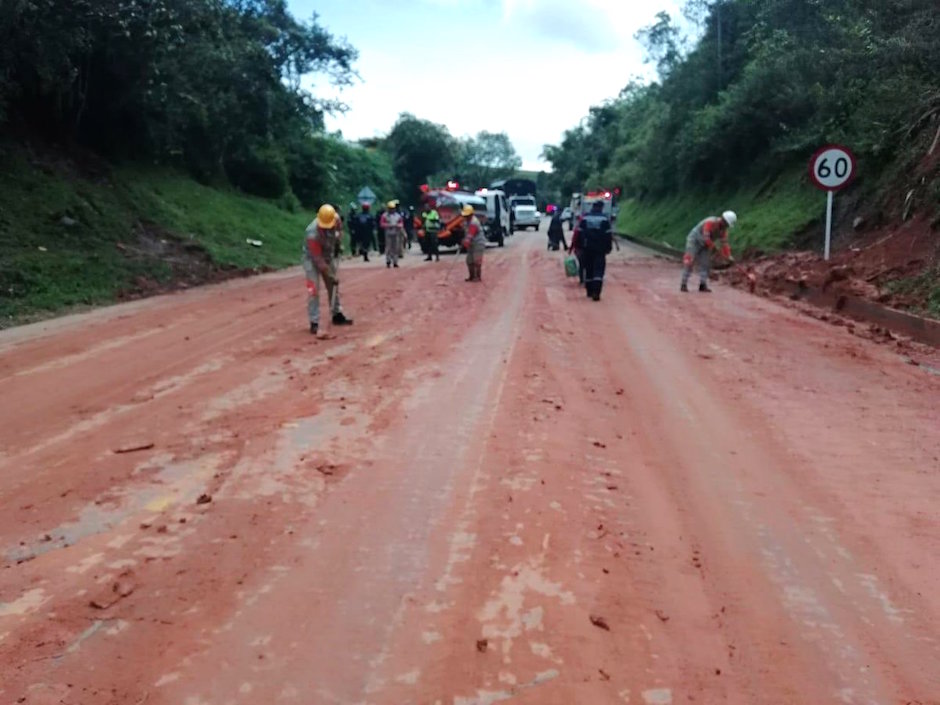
718,23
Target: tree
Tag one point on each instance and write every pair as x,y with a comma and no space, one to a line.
418,148
485,158
793,74
212,85
661,41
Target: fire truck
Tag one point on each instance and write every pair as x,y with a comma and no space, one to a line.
449,202
581,204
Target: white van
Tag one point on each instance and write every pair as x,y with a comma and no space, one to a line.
497,215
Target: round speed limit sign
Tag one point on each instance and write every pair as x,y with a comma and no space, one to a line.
832,168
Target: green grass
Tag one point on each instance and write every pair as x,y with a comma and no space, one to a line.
84,265
769,215
924,287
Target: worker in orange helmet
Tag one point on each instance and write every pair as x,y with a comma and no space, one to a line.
321,261
474,243
699,244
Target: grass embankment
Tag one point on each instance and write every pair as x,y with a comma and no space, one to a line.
770,214
70,239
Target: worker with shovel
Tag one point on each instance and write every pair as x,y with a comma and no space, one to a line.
474,243
700,243
320,261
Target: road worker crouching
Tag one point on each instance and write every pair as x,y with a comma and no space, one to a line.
700,243
321,262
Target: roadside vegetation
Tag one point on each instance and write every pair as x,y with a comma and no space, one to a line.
144,142
737,111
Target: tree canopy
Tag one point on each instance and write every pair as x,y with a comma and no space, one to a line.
215,87
211,85
485,158
766,82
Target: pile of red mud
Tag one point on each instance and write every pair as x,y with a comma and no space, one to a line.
865,267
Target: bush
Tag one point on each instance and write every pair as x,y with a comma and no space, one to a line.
258,170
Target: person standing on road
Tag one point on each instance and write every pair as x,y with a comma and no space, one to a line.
392,224
363,231
474,242
700,243
409,222
379,231
596,241
432,226
320,261
578,251
556,234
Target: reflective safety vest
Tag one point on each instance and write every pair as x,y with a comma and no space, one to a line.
432,221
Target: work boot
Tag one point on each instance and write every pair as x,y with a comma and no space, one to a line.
313,328
388,265
428,258
395,265
596,297
471,273
340,320
479,269
684,288
703,287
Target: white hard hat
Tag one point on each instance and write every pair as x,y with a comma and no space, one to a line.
730,217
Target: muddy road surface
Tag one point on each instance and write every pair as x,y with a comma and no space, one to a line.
477,494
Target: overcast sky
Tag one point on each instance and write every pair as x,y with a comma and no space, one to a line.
530,68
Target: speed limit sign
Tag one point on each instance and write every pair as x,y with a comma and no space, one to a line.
831,169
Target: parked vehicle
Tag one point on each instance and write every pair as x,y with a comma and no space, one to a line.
449,204
497,215
524,213
581,205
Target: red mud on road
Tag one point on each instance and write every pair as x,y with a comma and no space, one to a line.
476,494
870,266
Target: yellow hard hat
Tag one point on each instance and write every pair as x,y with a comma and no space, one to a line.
467,210
391,205
326,216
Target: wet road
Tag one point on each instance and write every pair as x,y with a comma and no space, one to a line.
476,494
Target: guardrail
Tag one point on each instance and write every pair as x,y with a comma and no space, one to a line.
660,247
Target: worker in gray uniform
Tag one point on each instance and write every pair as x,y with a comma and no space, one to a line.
699,244
474,243
320,262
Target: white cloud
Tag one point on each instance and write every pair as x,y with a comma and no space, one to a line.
531,68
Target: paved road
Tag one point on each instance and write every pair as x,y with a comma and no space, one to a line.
477,494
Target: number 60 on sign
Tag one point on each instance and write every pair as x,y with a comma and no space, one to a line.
831,169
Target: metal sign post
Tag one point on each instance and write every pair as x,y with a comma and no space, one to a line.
831,169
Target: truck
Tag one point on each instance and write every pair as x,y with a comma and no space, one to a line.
449,203
497,225
524,213
581,205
